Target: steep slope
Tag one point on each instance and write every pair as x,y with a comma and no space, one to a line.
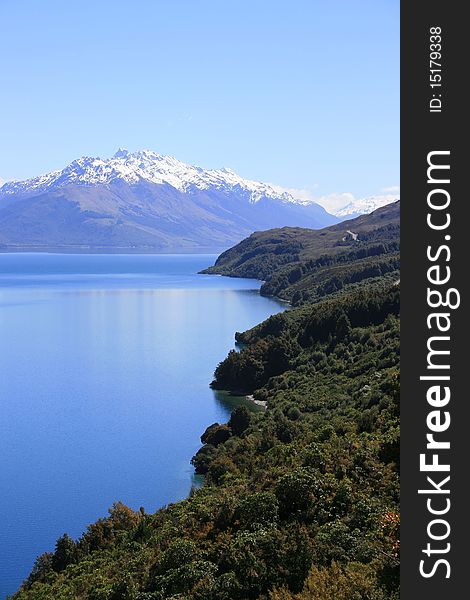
145,201
302,265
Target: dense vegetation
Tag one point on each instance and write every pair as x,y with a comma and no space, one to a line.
300,501
303,265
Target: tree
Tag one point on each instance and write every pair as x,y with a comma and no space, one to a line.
65,553
240,420
42,566
203,458
215,434
220,467
295,491
343,327
123,518
257,509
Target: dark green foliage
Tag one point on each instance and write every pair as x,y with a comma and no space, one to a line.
343,327
216,434
203,458
314,330
220,467
239,420
302,265
295,491
65,553
42,566
257,509
125,589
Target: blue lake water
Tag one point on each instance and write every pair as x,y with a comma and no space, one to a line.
105,362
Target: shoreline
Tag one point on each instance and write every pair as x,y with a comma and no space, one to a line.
262,403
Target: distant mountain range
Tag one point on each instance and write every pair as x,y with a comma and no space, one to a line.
363,206
145,201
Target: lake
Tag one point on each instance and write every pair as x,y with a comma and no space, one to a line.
105,365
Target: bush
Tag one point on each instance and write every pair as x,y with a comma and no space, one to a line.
240,420
257,509
216,434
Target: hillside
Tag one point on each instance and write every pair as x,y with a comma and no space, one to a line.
301,265
300,501
143,201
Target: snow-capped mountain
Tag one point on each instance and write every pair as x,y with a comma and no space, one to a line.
148,166
364,206
344,205
144,200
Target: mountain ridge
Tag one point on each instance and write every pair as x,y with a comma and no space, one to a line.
303,265
142,165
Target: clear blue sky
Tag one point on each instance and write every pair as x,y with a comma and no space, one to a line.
302,93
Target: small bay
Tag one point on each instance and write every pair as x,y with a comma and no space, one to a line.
105,365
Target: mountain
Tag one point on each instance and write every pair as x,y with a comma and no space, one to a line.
361,206
147,201
303,265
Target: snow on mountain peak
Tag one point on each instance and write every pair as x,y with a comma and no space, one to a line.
121,153
148,166
345,205
364,205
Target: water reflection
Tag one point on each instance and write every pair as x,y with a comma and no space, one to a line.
229,401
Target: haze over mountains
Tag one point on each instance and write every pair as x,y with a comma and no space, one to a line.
144,200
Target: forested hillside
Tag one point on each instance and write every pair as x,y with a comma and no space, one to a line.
303,265
301,500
